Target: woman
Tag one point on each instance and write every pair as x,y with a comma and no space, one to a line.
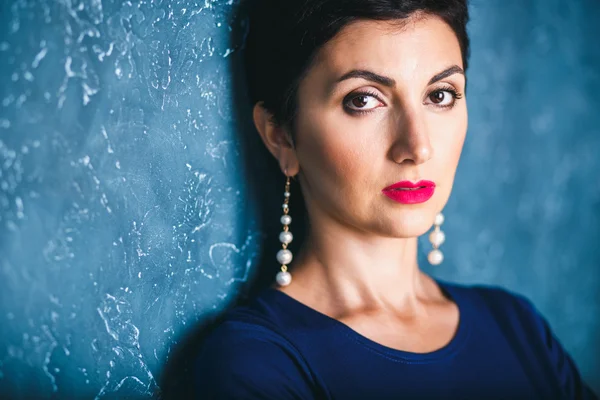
363,103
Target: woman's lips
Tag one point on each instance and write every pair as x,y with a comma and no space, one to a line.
406,192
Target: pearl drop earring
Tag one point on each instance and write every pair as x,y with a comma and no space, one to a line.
284,256
436,237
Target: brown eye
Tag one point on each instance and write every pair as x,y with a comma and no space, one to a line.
438,97
443,98
360,101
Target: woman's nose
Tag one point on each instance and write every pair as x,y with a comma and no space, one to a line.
411,142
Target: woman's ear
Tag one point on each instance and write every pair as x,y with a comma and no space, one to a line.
276,138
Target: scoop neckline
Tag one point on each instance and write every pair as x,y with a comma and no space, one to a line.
449,349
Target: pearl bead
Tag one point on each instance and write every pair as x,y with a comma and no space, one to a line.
284,256
284,206
286,237
437,237
286,219
286,194
435,257
283,278
439,219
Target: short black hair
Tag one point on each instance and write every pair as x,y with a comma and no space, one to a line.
285,35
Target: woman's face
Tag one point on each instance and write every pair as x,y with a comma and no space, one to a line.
398,118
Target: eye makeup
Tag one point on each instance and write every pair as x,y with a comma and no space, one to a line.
448,89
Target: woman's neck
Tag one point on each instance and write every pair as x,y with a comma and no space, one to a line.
345,272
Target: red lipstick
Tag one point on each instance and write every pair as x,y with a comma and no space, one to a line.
406,192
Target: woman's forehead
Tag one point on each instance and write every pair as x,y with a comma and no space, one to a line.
391,47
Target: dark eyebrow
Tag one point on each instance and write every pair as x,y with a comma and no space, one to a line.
455,69
389,82
369,76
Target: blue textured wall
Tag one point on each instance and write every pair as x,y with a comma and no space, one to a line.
134,196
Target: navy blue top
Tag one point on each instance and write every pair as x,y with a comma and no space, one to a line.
276,347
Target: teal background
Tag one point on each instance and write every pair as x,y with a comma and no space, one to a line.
136,202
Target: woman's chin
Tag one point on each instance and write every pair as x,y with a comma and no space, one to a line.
410,231
410,225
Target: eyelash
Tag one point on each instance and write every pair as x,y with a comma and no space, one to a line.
453,92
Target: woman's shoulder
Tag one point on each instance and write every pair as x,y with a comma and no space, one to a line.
528,331
256,322
245,352
500,300
512,312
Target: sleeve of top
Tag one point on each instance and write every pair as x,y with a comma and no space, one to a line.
564,367
239,360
